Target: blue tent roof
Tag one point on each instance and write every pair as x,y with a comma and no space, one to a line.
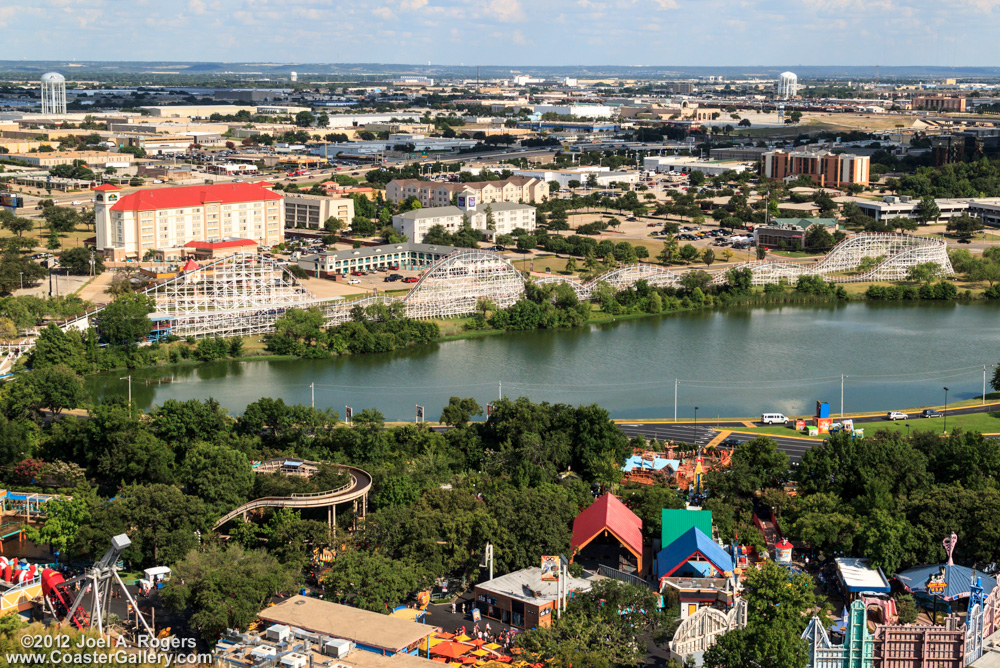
959,579
657,463
691,541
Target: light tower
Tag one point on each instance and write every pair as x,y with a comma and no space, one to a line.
788,85
53,93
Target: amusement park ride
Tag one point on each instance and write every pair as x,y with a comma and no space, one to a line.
89,607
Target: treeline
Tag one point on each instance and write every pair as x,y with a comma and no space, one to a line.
377,328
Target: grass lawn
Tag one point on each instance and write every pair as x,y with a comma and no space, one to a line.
981,422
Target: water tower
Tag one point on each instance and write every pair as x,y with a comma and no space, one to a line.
293,77
788,85
53,93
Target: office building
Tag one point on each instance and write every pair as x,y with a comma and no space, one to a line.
130,225
523,598
407,255
311,211
823,167
939,103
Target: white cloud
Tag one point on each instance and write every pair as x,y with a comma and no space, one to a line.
196,6
518,38
506,12
412,5
383,13
667,4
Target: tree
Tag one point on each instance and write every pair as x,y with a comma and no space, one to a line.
125,321
77,261
16,224
160,519
61,219
333,225
964,226
925,272
64,519
458,412
604,627
777,603
225,587
372,580
574,183
727,255
57,387
902,223
927,210
304,119
54,346
688,253
670,250
708,257
756,464
220,476
817,239
554,186
696,178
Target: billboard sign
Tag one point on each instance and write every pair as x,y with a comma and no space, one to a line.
550,569
348,414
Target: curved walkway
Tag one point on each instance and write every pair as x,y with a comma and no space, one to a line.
358,488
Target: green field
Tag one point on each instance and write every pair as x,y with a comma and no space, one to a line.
981,422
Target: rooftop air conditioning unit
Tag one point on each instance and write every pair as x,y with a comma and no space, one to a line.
278,633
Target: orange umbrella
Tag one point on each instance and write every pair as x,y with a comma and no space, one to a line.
440,658
477,642
452,650
446,635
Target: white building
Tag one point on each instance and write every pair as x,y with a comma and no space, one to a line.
311,211
685,165
579,110
605,177
508,217
128,226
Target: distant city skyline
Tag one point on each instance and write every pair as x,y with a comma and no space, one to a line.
510,32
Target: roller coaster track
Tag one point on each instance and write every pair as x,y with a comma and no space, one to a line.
358,488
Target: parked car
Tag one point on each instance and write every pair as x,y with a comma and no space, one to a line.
410,279
353,281
357,273
896,415
931,413
773,418
730,443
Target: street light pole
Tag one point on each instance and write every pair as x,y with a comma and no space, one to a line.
129,379
21,279
945,411
842,377
696,424
675,400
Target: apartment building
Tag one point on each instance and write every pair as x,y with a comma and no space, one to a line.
434,193
508,217
311,211
823,167
130,225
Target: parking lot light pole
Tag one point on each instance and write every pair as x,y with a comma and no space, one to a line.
842,377
945,431
696,425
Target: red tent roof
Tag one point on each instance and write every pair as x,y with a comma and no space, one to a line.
191,266
450,649
611,514
106,186
177,198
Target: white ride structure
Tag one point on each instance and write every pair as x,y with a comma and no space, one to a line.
243,295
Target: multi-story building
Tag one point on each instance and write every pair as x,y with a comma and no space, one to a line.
966,145
903,206
128,226
433,193
939,103
507,217
406,255
311,211
603,175
823,167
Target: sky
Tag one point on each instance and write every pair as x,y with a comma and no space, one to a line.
509,32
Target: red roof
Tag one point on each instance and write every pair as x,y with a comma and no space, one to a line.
611,514
106,186
191,265
176,198
214,245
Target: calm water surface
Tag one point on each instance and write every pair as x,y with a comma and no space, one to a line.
738,362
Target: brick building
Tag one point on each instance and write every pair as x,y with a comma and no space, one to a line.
433,193
823,167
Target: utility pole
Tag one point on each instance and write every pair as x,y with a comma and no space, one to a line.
675,400
500,392
312,391
842,377
129,379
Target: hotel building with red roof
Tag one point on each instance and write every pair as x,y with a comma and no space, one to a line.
130,225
